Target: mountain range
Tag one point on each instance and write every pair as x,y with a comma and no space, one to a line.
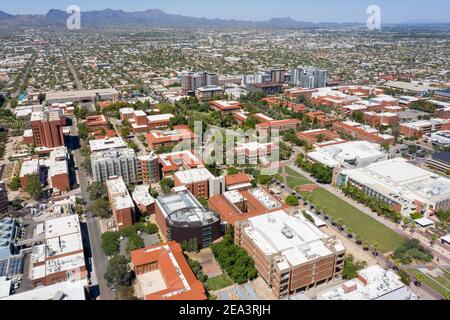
151,17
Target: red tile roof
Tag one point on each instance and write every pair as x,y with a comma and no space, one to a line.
170,274
238,178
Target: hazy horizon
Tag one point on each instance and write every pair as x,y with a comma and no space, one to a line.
399,11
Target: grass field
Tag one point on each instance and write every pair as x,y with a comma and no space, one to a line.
294,179
369,229
440,285
219,282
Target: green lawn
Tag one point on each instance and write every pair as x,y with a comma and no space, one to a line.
294,179
369,229
438,286
219,282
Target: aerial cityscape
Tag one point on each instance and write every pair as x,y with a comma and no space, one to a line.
158,154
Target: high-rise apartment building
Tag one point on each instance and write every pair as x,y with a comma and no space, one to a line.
115,163
308,77
190,81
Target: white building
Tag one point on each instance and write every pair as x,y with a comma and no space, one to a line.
372,283
106,144
353,154
61,256
409,189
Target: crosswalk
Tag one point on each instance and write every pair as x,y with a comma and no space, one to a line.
91,220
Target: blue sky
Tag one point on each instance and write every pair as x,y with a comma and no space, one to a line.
305,10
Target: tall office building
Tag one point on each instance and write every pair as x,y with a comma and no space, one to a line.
308,77
191,81
277,75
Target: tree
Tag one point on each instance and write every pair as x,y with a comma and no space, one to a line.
135,242
292,201
419,279
96,191
100,207
265,180
33,186
15,183
166,185
126,293
83,131
110,243
350,270
190,245
118,272
203,202
125,132
153,192
251,122
404,277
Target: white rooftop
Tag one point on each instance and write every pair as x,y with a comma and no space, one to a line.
142,196
29,167
193,175
58,162
294,239
351,154
425,123
60,291
106,144
160,117
381,285
119,193
402,181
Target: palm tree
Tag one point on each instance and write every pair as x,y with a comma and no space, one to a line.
375,247
350,233
419,279
358,239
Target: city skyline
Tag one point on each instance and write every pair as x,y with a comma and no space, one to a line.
401,11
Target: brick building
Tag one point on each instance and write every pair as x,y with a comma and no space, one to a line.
121,203
290,253
162,273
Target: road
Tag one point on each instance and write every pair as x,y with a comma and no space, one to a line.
71,68
99,259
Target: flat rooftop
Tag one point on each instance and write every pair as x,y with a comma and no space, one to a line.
294,238
425,123
29,167
381,285
80,94
142,196
58,162
105,144
399,178
119,195
183,208
60,291
160,117
193,175
359,152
